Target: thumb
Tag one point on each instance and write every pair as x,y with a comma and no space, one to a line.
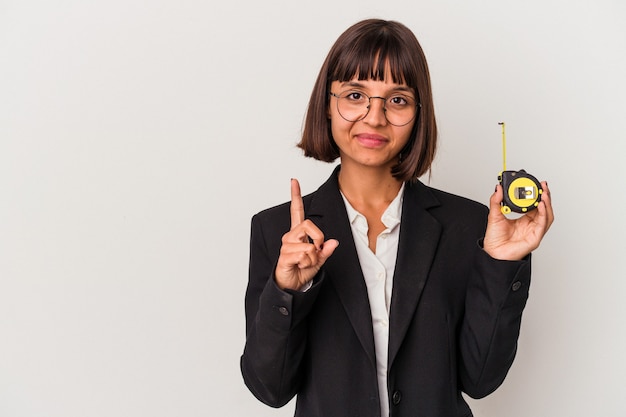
494,202
329,247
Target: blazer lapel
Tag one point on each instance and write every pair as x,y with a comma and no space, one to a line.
419,237
327,210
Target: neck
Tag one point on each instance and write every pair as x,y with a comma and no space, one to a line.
368,186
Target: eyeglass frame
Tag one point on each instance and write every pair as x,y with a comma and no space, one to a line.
418,106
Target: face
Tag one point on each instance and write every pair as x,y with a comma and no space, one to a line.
372,141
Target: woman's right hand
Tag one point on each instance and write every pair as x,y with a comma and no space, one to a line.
303,250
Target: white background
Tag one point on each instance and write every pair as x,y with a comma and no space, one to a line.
137,138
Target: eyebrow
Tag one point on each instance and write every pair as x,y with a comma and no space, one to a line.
397,87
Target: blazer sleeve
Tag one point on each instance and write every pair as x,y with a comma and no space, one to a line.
276,328
495,299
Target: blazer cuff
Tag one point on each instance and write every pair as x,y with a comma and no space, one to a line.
286,309
504,280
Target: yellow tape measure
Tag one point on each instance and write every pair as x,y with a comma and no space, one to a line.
522,191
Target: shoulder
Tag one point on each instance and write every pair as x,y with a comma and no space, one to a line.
458,202
278,218
273,212
428,197
326,194
273,220
447,207
282,209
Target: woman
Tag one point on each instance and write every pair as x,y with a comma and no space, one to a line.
377,295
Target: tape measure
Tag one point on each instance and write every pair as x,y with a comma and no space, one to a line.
522,191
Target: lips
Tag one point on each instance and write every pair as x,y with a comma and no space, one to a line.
370,140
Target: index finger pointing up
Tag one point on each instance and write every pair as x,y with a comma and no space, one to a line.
297,207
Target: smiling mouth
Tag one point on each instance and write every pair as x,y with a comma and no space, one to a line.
371,141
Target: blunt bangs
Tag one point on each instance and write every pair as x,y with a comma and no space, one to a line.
374,55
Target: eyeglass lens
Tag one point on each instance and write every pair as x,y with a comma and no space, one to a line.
399,109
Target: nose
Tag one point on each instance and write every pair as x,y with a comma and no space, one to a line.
376,112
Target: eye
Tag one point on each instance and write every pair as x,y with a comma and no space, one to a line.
353,96
399,101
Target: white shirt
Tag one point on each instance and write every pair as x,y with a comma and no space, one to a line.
378,269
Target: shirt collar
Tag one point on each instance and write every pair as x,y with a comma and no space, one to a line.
390,218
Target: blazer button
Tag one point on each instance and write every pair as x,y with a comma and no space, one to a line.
516,286
396,397
283,311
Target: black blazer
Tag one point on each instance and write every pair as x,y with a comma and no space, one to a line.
454,320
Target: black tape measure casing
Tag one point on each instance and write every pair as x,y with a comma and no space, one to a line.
522,191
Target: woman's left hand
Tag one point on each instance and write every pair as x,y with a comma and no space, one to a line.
513,239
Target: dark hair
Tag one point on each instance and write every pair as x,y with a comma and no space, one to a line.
365,50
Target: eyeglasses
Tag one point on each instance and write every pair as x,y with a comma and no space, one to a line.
399,109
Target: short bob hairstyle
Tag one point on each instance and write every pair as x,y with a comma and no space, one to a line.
365,51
